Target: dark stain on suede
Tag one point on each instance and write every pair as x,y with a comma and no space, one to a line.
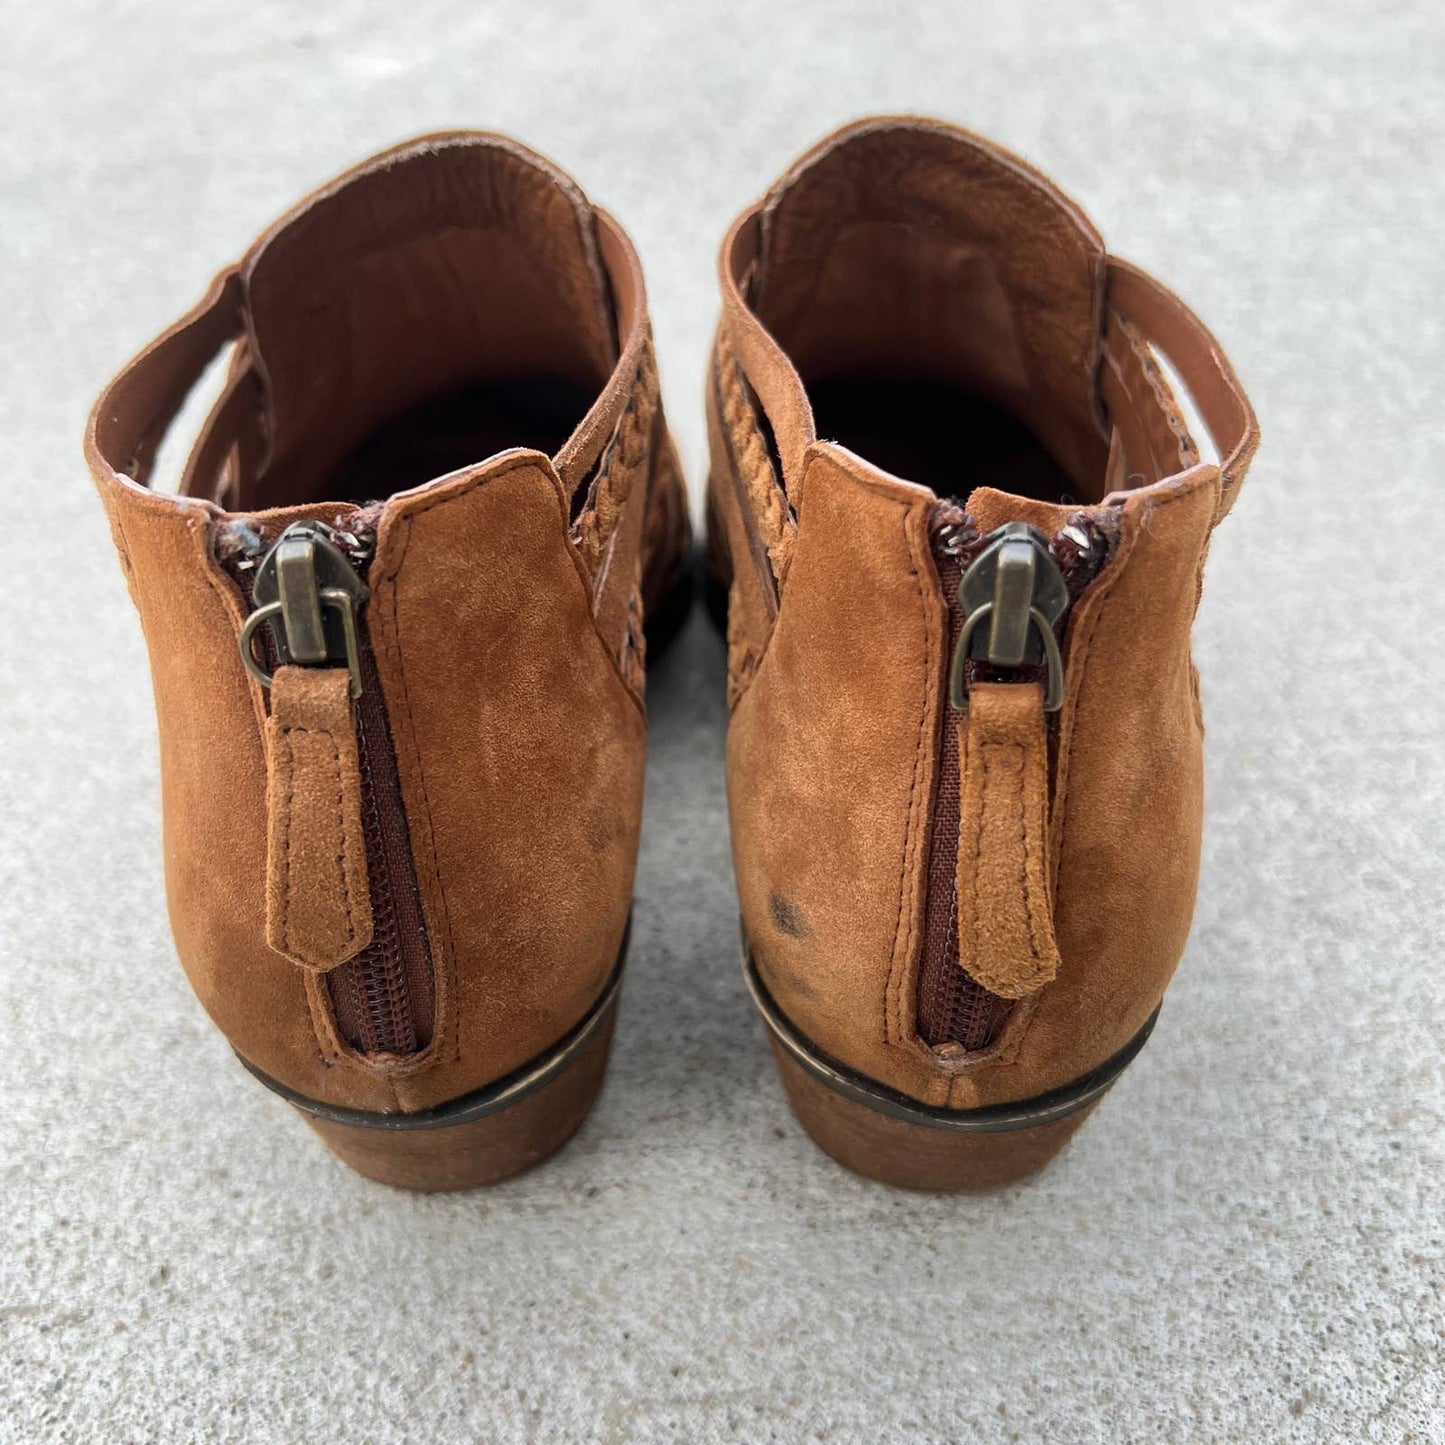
788,917
603,828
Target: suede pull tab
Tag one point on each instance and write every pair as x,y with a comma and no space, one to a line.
318,898
1005,913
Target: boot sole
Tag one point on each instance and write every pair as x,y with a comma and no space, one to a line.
485,1136
889,1137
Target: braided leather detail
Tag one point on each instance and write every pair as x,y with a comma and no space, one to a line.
621,466
759,479
634,650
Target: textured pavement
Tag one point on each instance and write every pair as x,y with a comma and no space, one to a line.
1244,1244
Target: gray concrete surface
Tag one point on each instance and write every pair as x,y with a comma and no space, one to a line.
1244,1244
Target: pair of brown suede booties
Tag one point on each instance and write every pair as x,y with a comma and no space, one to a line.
399,610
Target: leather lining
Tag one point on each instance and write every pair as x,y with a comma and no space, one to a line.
456,263
910,249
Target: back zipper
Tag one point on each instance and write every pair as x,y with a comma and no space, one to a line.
304,593
1008,594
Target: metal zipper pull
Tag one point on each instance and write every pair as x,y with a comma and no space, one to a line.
342,897
1015,586
310,593
318,875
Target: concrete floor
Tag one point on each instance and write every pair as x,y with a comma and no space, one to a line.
1244,1244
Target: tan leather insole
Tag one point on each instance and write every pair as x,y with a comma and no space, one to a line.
936,435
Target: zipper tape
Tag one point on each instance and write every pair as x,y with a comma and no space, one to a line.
490,1099
308,586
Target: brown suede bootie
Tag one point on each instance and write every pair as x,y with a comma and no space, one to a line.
963,522
395,621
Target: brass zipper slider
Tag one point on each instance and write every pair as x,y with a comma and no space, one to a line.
318,873
310,593
1016,587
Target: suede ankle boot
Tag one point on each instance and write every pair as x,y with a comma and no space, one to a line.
396,618
961,521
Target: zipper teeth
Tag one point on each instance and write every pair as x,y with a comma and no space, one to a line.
953,1007
378,973
382,998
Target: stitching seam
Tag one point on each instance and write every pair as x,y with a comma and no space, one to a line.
453,983
1080,669
902,943
1019,793
343,853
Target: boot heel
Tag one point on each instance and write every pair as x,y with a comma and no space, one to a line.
887,1136
913,1156
485,1137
